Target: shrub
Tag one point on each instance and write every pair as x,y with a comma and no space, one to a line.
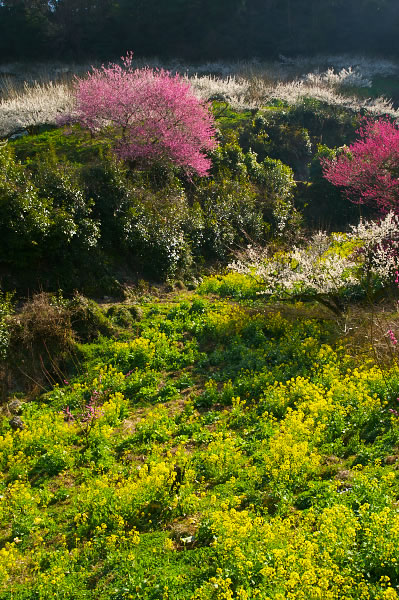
43,338
230,216
124,316
323,203
141,218
6,310
326,122
24,216
45,221
272,184
72,225
152,230
108,184
87,319
276,183
275,134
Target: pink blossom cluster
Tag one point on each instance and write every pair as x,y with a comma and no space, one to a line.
151,115
394,411
369,168
87,417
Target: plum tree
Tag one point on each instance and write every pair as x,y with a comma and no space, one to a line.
151,116
368,169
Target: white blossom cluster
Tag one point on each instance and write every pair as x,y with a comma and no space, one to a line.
42,103
368,66
245,85
303,270
344,78
231,87
327,264
256,93
295,91
379,246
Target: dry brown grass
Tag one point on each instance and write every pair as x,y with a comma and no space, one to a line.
44,334
364,329
41,341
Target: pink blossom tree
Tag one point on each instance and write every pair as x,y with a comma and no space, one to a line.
150,115
368,169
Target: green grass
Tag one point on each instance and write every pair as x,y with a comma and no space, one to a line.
72,145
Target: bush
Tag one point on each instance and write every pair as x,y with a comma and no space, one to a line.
87,319
275,134
276,183
123,315
325,122
43,338
72,224
24,216
272,183
324,205
153,231
142,217
6,310
231,217
46,226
